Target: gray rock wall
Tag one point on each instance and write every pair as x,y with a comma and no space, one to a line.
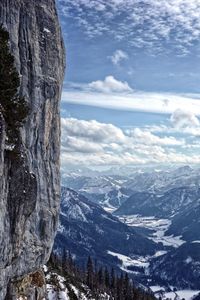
30,183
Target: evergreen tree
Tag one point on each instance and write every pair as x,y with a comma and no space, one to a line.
100,276
107,277
99,281
113,279
127,295
90,273
70,262
13,107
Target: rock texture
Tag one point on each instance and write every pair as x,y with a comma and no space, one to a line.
30,183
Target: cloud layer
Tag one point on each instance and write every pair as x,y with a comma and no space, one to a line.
95,94
91,143
141,23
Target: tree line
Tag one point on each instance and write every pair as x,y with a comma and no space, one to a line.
100,280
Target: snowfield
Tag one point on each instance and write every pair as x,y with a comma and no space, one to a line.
177,295
159,226
109,209
138,261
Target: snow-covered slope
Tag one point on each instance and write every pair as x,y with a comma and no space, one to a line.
67,287
99,184
163,206
172,202
161,181
86,229
180,267
187,222
111,190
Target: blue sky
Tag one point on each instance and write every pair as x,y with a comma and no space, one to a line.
132,88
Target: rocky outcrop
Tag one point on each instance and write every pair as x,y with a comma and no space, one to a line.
30,182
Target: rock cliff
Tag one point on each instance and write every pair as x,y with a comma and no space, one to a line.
30,183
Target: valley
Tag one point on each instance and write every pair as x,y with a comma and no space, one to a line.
156,229
151,233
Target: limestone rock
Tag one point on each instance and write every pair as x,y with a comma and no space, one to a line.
30,184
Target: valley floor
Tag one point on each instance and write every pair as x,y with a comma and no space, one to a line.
158,227
183,294
156,232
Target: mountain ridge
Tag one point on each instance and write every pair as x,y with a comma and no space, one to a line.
90,230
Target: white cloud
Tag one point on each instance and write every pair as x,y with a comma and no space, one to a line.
110,85
93,143
91,130
77,145
118,56
181,118
134,101
188,132
143,24
146,137
192,131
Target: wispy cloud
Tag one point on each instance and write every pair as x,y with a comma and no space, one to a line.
162,103
143,24
118,56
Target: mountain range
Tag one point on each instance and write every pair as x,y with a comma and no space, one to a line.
86,229
145,223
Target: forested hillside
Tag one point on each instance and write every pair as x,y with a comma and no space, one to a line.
65,280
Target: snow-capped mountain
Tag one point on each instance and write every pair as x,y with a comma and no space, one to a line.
86,229
159,206
187,223
161,181
100,184
110,200
105,190
171,203
111,190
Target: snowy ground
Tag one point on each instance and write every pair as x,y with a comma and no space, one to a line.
178,295
136,261
159,226
58,288
109,209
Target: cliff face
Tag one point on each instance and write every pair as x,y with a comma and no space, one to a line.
30,183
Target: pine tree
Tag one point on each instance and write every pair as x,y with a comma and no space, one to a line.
13,107
70,262
90,272
99,280
113,279
63,259
100,276
120,287
107,277
126,285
